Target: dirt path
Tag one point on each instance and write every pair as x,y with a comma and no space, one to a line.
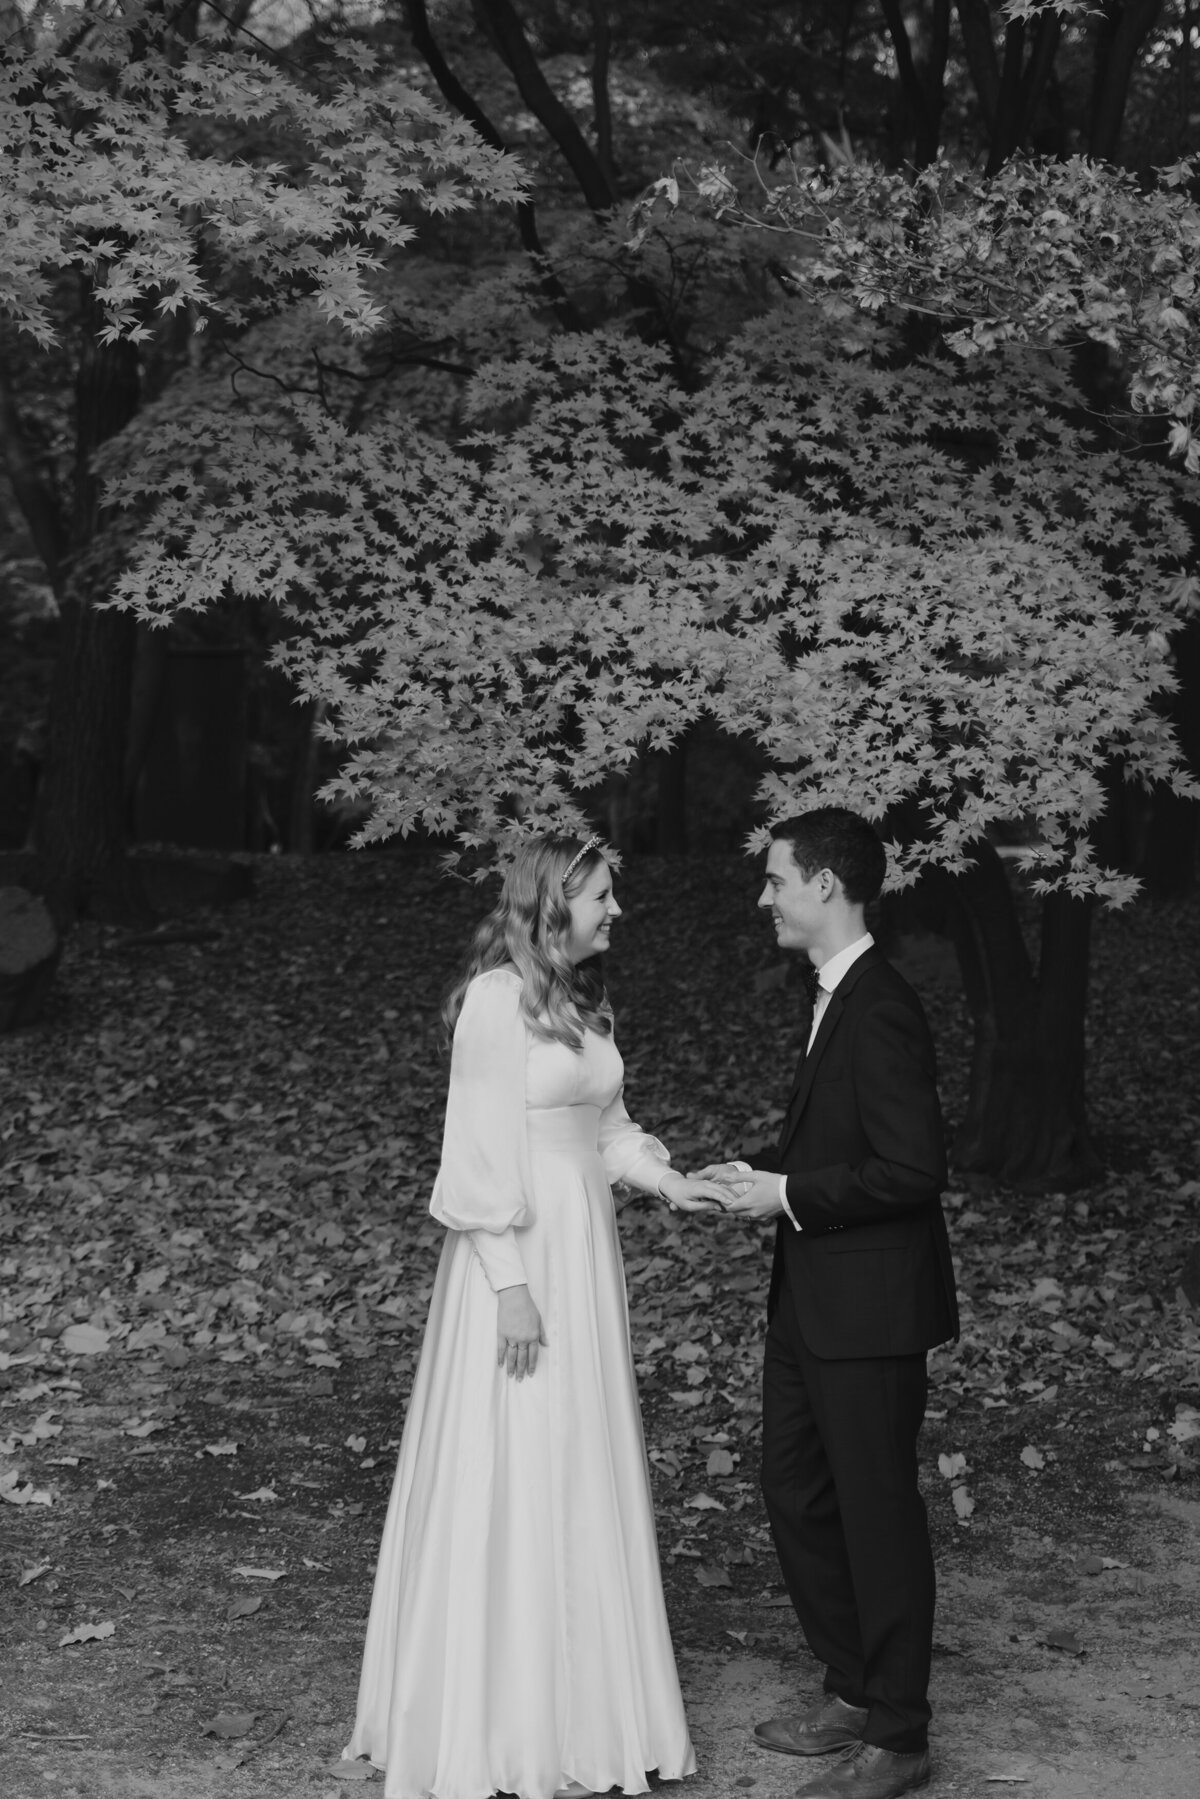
124,1718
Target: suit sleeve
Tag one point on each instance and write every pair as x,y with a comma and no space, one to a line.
483,1185
895,1093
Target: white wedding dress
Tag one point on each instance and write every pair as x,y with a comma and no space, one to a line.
517,1637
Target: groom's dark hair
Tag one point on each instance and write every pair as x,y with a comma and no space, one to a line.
834,838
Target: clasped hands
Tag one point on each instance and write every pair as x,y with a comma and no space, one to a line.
742,1191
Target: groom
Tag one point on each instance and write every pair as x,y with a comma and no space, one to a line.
861,1287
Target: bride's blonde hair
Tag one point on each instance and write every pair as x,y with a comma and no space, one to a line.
528,929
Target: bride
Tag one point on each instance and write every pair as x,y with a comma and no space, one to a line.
518,1640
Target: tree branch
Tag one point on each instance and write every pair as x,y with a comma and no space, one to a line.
500,20
424,42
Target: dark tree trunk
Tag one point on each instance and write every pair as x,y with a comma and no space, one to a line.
304,780
1123,28
923,87
1172,844
671,833
79,825
1026,1122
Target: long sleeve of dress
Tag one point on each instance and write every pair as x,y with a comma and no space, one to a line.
629,1154
483,1185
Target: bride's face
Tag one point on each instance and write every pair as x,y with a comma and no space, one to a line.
592,911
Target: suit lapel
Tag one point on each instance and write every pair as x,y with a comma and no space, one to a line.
829,1022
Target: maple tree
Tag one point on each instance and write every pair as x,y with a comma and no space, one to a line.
168,177
923,583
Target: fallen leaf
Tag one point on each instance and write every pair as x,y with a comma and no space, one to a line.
225,1448
229,1725
1062,1638
710,1576
244,1607
1187,1424
951,1466
263,1494
964,1505
261,1573
83,1339
87,1633
352,1771
1032,1458
16,1494
702,1502
719,1462
29,1575
357,1444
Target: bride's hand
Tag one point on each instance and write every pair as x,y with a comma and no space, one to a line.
683,1193
519,1331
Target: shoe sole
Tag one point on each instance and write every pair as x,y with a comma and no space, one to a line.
846,1742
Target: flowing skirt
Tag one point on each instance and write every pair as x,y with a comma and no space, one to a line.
518,1637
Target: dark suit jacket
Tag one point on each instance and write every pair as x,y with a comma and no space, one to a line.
862,1146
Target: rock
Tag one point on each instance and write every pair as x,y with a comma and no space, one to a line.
29,952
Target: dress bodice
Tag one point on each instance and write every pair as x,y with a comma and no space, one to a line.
556,1075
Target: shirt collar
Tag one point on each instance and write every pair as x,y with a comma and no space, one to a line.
831,972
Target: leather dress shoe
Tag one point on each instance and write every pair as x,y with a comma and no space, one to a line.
868,1772
830,1724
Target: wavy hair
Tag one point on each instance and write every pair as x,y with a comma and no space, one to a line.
528,929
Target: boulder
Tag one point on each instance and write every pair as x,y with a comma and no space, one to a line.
29,951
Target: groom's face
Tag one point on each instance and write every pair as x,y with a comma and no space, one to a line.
796,904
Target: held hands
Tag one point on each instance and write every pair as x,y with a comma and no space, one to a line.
691,1192
519,1331
749,1193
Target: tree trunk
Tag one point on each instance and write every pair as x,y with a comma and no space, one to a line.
1124,26
1026,1122
671,833
79,827
79,824
304,780
1172,842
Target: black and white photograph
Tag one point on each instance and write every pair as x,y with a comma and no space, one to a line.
599,899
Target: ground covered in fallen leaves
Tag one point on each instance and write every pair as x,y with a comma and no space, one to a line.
215,1157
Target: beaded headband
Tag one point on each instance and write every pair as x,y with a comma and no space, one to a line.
591,844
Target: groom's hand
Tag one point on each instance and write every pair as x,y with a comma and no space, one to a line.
754,1196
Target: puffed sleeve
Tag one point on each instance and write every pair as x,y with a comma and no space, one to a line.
483,1184
629,1154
